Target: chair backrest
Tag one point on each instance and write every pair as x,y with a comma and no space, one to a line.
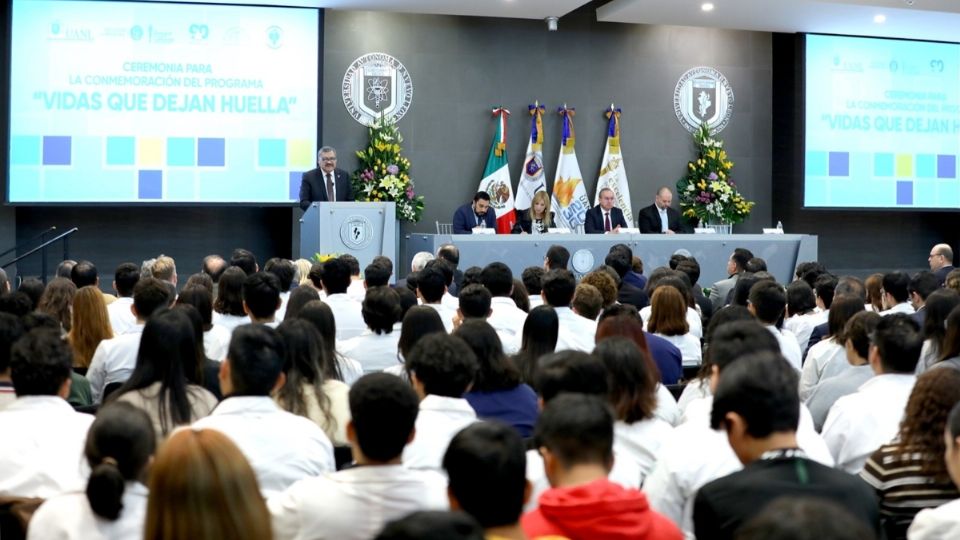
444,228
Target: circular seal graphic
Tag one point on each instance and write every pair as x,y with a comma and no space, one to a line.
703,95
582,261
356,232
377,84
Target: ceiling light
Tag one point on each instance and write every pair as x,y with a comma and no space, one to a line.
707,7
880,18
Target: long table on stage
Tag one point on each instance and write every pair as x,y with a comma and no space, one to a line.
781,251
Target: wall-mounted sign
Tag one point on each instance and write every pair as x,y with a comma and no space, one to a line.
703,95
377,84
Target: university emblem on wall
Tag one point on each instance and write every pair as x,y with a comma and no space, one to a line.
377,84
356,232
703,95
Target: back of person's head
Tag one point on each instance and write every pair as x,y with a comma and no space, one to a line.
691,268
119,446
587,301
726,315
298,299
383,261
315,275
858,330
202,486
352,263
381,309
213,266
557,257
419,321
444,364
675,260
408,299
768,300
896,284
201,280
475,301
321,317
632,377
383,411
444,267
558,287
125,277
33,288
11,329
472,276
303,347
761,389
486,466
163,268
540,332
605,285
840,312
431,284
619,260
800,298
261,294
83,273
40,362
497,278
626,324
740,257
256,356
230,292
532,277
923,283
495,371
741,291
90,324
576,429
570,372
938,307
283,269
19,304
57,300
433,525
149,295
669,312
925,417
377,274
825,286
64,268
898,341
850,286
735,339
804,518
756,264
244,260
198,297
420,260
520,296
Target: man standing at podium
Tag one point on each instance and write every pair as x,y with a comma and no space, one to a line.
326,182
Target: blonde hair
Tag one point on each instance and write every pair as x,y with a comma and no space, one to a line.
90,325
668,315
201,486
163,268
545,199
303,267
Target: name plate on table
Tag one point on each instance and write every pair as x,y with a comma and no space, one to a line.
704,230
558,230
484,230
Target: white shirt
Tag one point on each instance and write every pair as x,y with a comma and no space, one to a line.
535,300
354,504
121,318
861,422
695,389
824,360
439,420
450,301
350,369
506,318
802,326
42,450
69,517
789,347
902,307
640,442
281,447
575,332
667,408
230,322
446,315
113,361
282,310
375,352
940,523
691,351
216,341
693,320
347,315
357,291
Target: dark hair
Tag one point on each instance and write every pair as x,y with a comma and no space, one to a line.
768,299
11,329
840,312
619,260
632,381
850,286
858,330
284,271
803,518
64,268
800,298
898,340
577,429
825,285
299,297
520,296
384,409
921,429
475,301
83,273
352,263
449,253
691,268
315,275
201,279
444,267
57,299
540,331
444,364
321,317
558,287
471,276
336,276
303,347
256,357
570,371
938,307
756,264
557,257
418,322
33,288
244,260
726,315
923,283
199,297
953,422
431,284
762,388
741,290
675,260
230,292
740,257
481,195
736,339
383,261
16,303
486,466
496,371
532,277
896,284
125,278
377,275
381,309
40,362
408,299
261,294
432,525
198,376
624,323
118,448
497,278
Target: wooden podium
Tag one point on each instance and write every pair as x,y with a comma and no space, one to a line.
362,229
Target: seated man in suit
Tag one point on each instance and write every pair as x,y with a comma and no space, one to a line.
475,214
659,217
604,217
326,182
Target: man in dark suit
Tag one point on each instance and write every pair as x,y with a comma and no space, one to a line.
475,214
941,261
757,404
604,217
326,182
619,258
659,217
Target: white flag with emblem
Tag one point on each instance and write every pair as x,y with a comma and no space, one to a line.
613,173
532,178
570,202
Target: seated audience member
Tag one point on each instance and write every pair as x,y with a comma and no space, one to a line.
668,320
57,301
284,271
33,288
348,312
952,281
431,286
873,287
619,259
408,299
419,321
216,338
803,518
213,265
767,303
376,347
356,290
125,278
18,303
757,405
197,475
281,447
377,273
699,387
802,313
441,368
64,268
89,326
605,284
505,317
475,301
485,464
845,286
623,321
557,258
83,274
538,338
244,260
950,355
307,391
736,266
575,437
299,298
497,392
520,296
119,448
448,300
336,366
115,359
587,301
680,282
576,332
228,307
261,298
944,521
856,335
859,423
632,380
827,358
11,329
532,279
937,310
433,526
164,382
908,473
42,435
895,294
207,371
691,268
604,218
163,268
922,284
475,215
355,503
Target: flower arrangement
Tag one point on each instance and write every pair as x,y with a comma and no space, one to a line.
707,192
383,174
324,257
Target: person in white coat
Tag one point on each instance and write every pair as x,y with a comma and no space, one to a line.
347,311
576,332
505,317
768,302
376,347
943,521
119,448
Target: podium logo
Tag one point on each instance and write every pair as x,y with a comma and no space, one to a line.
356,232
703,95
375,85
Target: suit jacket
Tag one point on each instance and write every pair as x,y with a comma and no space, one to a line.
594,222
628,294
648,220
525,222
942,273
313,187
819,332
464,220
720,290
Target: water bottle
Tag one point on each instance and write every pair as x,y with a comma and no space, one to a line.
780,227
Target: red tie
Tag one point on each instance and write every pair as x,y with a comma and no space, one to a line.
606,221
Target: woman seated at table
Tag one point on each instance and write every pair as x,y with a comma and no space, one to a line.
536,219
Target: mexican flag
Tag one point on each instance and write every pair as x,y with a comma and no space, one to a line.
532,178
496,176
569,202
613,173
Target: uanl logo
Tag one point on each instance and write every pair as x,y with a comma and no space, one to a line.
703,95
375,85
68,32
356,232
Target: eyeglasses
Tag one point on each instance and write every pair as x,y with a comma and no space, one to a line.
932,255
328,159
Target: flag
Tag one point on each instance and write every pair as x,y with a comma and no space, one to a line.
570,202
613,173
496,176
532,178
